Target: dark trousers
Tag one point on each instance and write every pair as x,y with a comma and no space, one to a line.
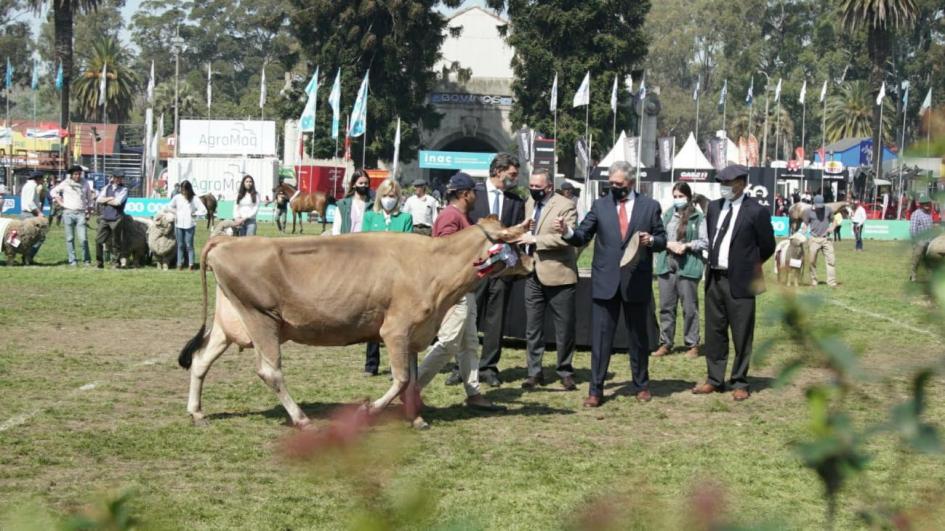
492,299
858,234
560,299
372,357
109,236
836,233
724,312
604,315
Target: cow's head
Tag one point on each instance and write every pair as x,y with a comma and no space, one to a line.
497,252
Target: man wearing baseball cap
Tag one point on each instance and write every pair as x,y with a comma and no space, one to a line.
819,221
112,199
741,239
458,336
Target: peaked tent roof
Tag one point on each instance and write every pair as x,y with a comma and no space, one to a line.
618,152
690,157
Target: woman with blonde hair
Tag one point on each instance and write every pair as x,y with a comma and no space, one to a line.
385,216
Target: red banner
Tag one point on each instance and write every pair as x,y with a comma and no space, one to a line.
327,179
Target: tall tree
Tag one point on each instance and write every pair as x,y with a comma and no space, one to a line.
121,83
15,43
397,42
850,113
880,19
570,38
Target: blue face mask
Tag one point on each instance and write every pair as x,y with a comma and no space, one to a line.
680,203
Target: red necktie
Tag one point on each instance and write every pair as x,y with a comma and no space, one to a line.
622,217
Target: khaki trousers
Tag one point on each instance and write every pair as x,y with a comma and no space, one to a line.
817,245
918,252
457,338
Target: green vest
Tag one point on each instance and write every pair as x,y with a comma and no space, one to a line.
690,264
376,222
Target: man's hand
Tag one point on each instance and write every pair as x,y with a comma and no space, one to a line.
559,225
676,247
529,224
646,239
525,239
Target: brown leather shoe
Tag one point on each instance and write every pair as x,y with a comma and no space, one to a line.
644,396
693,352
660,352
593,401
533,382
567,382
704,389
740,394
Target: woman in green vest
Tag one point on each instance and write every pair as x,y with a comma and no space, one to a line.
350,210
385,216
679,270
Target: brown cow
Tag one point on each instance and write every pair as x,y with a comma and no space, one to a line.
370,287
301,202
210,203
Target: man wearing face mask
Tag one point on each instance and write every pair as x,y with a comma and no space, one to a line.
819,220
495,197
741,239
350,214
553,283
612,222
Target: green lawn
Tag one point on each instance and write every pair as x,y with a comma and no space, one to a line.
92,404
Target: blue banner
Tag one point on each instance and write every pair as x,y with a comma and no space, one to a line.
455,160
10,206
782,226
140,207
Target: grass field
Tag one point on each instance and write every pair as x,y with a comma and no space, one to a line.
92,404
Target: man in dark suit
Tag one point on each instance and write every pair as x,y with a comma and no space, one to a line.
614,219
741,239
495,197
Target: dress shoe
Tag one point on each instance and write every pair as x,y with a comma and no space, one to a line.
489,378
479,402
567,382
593,401
533,382
693,352
740,394
454,379
660,352
644,396
705,389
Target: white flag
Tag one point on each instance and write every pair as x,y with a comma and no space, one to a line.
613,96
553,105
823,92
262,88
628,83
800,99
723,94
334,100
777,92
151,85
695,92
209,86
641,94
393,173
103,85
583,94
905,96
927,102
882,94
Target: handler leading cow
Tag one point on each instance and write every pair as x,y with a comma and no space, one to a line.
370,287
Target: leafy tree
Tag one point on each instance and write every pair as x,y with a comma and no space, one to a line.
571,38
15,43
120,86
850,113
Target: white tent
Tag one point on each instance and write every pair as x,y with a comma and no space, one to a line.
624,150
690,157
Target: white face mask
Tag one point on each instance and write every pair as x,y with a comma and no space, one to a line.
727,193
388,203
680,202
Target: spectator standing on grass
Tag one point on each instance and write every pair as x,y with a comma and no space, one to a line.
110,232
185,206
350,211
457,337
679,269
385,216
282,208
837,224
76,197
819,221
31,207
858,220
920,226
247,206
422,208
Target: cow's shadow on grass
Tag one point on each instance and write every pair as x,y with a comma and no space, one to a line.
665,388
313,410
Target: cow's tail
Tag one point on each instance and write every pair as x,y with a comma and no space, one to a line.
196,343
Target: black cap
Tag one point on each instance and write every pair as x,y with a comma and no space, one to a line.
419,182
118,173
75,168
37,175
730,173
567,186
460,181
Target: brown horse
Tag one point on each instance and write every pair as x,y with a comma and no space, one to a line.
301,202
210,203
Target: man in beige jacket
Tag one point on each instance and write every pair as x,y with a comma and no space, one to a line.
553,283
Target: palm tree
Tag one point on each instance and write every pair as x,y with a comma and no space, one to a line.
850,113
880,18
63,13
189,102
120,87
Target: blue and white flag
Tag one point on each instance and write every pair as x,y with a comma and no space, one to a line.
9,75
359,112
59,77
307,120
553,105
905,96
750,97
641,94
103,85
34,83
334,99
695,92
209,86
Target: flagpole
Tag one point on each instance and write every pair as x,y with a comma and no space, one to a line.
751,114
640,128
777,131
823,144
697,118
364,143
879,156
724,106
105,116
902,150
555,161
672,163
764,147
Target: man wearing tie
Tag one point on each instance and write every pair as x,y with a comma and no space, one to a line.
614,219
741,239
496,198
553,283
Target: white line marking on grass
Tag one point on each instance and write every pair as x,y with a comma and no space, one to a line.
884,318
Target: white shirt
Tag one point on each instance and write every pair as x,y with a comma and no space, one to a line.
358,206
74,195
185,211
727,239
247,208
859,216
422,209
490,198
29,197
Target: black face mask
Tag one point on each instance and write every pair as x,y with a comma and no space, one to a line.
362,190
537,195
619,193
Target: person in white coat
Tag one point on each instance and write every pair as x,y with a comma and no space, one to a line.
247,206
185,206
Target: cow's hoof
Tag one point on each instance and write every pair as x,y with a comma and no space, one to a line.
199,421
420,424
303,424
